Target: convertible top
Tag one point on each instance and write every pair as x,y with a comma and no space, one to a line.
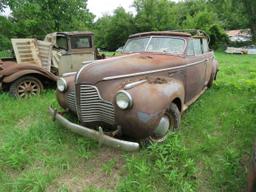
165,33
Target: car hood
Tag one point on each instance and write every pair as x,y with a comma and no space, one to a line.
126,65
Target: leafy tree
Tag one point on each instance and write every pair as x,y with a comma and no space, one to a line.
231,13
38,17
154,15
113,31
101,30
6,32
250,8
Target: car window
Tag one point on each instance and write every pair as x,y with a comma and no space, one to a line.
156,44
190,49
62,42
136,45
197,46
166,45
205,46
79,42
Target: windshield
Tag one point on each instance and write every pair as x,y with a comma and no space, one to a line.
79,42
156,44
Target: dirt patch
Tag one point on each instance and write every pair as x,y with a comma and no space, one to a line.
90,173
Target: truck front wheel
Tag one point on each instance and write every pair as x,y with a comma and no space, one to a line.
25,87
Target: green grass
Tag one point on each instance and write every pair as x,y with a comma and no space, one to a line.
210,152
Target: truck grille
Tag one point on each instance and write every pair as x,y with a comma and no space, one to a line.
93,107
71,100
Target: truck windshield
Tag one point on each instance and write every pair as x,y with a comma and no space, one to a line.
170,45
80,42
62,42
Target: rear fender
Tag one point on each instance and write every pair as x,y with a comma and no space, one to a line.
150,101
215,68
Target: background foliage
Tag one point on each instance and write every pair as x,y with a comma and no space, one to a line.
36,18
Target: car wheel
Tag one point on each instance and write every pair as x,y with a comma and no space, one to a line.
169,122
213,77
25,87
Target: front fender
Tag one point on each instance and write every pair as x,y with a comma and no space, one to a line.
12,77
150,101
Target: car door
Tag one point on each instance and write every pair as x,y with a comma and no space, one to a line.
195,69
208,56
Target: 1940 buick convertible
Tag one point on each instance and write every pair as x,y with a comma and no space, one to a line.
140,94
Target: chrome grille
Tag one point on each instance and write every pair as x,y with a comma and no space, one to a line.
93,107
71,100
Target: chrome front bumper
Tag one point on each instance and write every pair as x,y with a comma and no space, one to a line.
96,135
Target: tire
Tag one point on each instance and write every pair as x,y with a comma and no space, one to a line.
213,77
25,87
173,113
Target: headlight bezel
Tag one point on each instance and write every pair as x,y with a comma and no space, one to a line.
65,85
129,99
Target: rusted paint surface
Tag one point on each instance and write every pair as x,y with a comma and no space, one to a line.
11,71
163,78
132,63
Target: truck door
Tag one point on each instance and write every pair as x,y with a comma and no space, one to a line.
82,49
61,58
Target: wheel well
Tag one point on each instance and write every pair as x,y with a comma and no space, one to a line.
177,102
47,83
44,80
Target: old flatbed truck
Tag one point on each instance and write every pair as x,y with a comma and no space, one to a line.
37,64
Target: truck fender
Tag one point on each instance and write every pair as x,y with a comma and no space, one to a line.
18,74
150,101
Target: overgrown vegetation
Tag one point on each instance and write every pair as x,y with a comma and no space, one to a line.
210,152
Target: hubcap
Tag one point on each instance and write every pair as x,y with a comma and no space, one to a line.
28,88
162,129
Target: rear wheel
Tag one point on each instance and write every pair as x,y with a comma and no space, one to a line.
213,77
168,123
25,87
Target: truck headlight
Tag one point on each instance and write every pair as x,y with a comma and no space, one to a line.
62,84
123,99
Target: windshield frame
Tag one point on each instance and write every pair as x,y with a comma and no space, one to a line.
157,36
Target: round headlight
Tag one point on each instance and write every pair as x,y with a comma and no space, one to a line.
123,100
62,85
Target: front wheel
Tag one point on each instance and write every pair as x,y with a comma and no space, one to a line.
169,122
25,87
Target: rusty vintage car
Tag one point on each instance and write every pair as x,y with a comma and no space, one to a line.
140,94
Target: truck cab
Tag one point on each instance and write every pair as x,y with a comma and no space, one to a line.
37,64
70,49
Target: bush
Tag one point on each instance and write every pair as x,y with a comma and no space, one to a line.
5,43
